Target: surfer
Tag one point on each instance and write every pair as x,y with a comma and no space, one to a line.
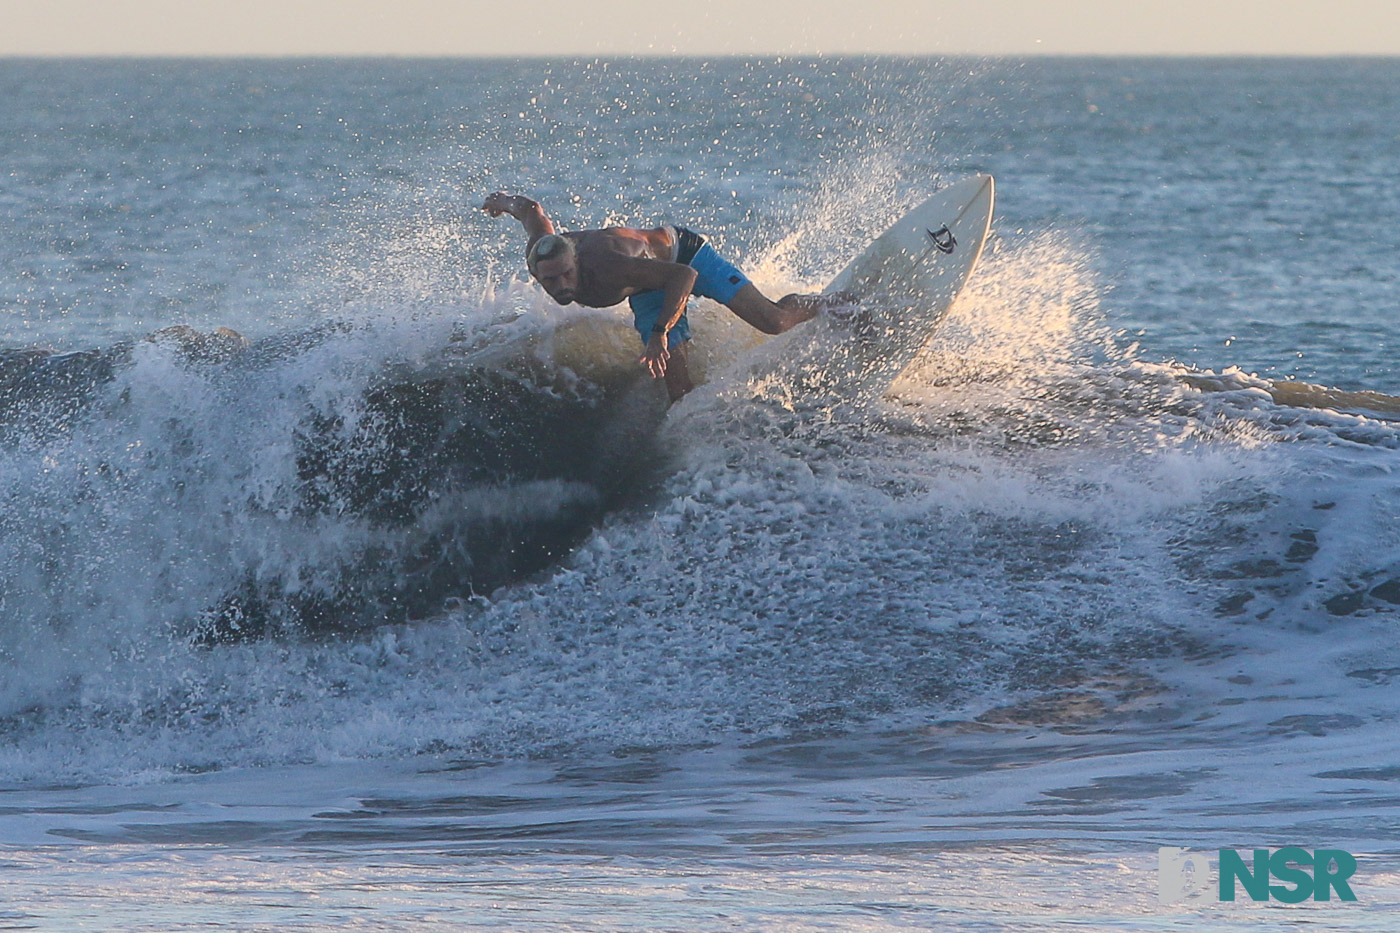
657,271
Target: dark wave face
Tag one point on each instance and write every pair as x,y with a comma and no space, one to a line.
245,496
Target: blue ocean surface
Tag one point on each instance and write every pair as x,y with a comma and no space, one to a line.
346,582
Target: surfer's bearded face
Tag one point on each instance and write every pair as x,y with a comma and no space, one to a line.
559,277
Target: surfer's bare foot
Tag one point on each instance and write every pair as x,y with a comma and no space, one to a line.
840,304
844,308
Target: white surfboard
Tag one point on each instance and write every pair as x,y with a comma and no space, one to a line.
906,281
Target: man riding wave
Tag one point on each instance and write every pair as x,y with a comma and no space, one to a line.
657,271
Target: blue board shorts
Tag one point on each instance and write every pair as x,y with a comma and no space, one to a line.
715,278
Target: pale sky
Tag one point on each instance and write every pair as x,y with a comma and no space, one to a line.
698,27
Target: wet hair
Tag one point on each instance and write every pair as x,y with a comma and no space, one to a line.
549,246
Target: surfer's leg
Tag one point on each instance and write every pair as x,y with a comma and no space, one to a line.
771,317
774,317
678,381
646,308
717,278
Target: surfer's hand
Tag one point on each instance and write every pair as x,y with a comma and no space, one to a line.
499,203
655,356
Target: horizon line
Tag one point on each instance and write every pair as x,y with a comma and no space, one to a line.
778,56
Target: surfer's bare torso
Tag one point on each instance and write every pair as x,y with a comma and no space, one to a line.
606,262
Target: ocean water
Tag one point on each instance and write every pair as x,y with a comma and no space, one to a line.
403,602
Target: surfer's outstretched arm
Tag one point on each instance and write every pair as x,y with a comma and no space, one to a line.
526,210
